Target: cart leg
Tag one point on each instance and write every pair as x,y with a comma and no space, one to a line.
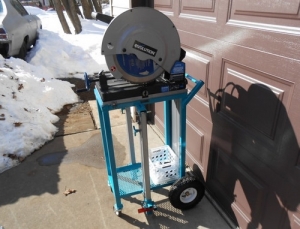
130,135
109,152
168,122
113,178
103,133
144,156
148,203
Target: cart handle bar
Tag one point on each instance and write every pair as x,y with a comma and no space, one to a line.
196,88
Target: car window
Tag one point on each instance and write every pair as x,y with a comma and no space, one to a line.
1,7
18,6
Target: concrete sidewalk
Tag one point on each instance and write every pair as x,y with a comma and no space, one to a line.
32,194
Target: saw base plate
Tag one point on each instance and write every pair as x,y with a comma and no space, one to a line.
112,89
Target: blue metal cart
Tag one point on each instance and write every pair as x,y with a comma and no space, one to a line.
136,177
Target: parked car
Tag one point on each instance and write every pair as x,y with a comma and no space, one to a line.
18,29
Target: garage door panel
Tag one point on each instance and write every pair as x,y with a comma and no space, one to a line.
270,8
255,188
204,5
198,104
201,119
258,104
199,131
198,10
165,6
198,65
199,47
275,16
274,70
252,99
198,60
245,193
287,7
164,3
252,74
195,142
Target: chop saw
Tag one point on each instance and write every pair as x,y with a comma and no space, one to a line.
144,57
140,44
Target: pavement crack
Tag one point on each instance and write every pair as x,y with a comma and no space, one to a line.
98,199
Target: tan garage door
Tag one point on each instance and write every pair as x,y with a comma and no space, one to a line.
243,128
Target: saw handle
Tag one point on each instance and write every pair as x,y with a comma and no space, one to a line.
87,83
102,17
196,88
102,77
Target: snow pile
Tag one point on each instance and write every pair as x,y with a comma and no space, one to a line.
68,55
28,97
30,94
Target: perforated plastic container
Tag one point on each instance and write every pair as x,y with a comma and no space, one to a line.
163,164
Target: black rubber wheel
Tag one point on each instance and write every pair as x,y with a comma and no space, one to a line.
23,51
186,193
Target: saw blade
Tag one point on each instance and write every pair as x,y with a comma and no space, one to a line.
136,70
132,69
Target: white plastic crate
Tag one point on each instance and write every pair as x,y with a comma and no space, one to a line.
163,164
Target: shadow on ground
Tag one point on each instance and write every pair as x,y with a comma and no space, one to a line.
39,173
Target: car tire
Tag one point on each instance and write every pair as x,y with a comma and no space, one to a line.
37,37
23,51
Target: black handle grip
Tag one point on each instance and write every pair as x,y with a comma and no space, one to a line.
102,17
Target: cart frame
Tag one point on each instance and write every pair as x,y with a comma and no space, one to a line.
134,178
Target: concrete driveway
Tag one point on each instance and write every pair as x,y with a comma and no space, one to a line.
32,194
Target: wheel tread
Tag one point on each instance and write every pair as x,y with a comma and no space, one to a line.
179,186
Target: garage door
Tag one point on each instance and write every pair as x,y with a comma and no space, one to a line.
243,128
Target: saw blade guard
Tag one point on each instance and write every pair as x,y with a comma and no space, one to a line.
140,44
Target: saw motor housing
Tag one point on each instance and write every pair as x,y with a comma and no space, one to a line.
141,45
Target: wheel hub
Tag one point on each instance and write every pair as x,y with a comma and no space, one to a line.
188,195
